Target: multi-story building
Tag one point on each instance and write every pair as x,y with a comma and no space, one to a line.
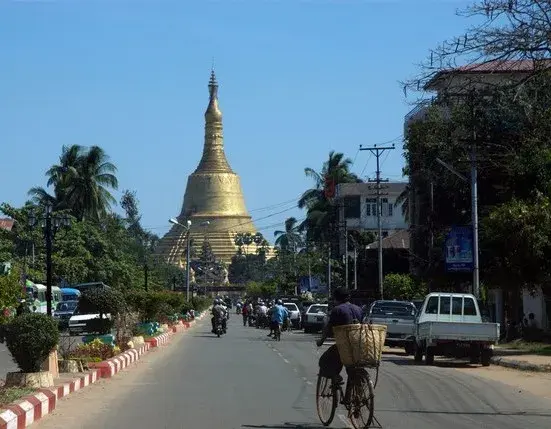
357,204
448,87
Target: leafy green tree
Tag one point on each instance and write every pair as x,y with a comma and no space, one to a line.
402,287
11,289
517,244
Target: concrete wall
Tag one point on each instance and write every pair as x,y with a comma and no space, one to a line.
536,304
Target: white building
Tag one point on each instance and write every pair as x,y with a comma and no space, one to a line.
358,207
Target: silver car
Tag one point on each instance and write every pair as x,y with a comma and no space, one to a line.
399,318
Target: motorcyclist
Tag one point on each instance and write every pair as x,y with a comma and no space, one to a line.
262,312
219,312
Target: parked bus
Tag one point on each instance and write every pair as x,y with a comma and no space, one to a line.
70,294
37,292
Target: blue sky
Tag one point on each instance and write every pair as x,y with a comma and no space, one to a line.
297,79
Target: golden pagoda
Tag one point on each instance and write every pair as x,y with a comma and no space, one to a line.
213,200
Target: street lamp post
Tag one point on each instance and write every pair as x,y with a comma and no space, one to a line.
50,224
188,259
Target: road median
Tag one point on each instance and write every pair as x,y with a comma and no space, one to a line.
30,408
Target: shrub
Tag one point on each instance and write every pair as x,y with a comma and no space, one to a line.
155,306
102,301
30,339
200,303
93,351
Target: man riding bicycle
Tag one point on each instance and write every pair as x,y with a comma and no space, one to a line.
279,314
344,313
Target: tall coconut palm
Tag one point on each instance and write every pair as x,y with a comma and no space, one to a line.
59,178
81,182
291,238
317,200
88,192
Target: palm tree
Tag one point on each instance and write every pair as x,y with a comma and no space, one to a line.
289,239
58,177
81,182
403,199
318,200
88,193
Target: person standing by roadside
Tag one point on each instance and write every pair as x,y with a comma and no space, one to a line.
245,314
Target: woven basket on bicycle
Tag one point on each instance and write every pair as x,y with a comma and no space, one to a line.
361,344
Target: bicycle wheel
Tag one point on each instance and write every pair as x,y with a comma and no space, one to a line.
362,399
327,399
374,375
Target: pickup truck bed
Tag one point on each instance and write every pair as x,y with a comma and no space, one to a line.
461,332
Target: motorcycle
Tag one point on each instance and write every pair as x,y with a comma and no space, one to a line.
252,321
219,328
262,322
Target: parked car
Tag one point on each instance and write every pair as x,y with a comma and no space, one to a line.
63,312
399,318
294,314
450,324
315,318
80,321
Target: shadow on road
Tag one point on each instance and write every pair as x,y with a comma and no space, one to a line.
289,426
451,363
470,413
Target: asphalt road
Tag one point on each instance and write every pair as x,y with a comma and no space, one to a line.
6,362
244,380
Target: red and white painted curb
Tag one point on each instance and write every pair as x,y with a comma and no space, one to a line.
29,409
110,367
159,340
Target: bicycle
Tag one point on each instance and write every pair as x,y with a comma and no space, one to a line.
359,396
277,331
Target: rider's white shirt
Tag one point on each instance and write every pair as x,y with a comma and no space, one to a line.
263,310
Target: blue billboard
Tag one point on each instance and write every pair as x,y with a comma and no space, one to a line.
458,249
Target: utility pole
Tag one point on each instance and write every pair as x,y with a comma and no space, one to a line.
378,151
345,255
474,214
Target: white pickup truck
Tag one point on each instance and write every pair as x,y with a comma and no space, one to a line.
450,324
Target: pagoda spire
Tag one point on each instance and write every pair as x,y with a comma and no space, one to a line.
214,158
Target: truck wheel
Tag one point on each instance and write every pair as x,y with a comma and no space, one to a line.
429,356
418,356
486,357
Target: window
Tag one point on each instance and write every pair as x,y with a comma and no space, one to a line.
432,305
445,304
371,206
390,209
470,307
385,234
352,207
457,303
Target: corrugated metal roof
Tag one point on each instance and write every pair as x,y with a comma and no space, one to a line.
345,189
398,240
6,224
489,67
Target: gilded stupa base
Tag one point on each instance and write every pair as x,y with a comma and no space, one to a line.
220,233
